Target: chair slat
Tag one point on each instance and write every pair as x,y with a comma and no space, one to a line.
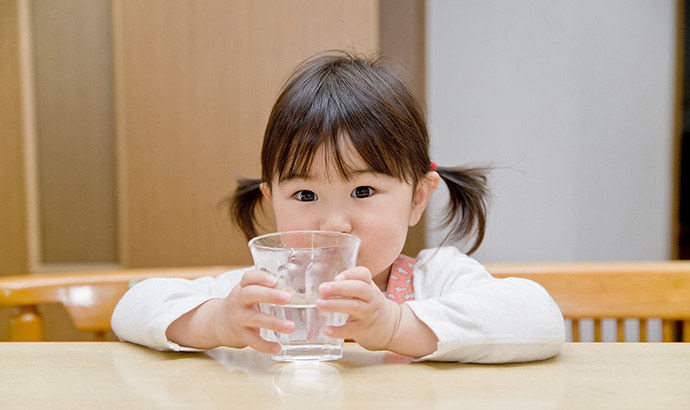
620,330
597,330
667,330
576,330
643,330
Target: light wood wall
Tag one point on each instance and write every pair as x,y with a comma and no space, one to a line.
14,254
13,239
73,83
195,82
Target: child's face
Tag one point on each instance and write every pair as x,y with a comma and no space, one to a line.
377,208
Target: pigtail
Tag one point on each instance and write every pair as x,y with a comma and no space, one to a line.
243,203
468,204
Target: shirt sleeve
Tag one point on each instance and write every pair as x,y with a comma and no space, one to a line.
144,313
481,319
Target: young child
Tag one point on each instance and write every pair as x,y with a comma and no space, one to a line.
346,149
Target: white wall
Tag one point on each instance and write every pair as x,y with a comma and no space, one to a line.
573,102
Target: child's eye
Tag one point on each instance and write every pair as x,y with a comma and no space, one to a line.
362,192
305,196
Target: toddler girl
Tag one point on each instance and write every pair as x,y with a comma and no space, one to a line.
346,149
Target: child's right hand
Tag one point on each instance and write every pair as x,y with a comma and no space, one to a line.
235,320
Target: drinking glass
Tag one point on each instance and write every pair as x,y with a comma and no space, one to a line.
301,261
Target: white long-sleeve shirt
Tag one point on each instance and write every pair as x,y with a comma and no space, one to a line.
477,318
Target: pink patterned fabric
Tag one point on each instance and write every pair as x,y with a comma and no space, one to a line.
400,288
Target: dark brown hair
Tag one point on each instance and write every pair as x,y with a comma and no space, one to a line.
338,97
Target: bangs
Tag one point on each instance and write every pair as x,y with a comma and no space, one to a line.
342,153
342,107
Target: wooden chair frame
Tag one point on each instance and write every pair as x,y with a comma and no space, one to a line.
88,297
619,291
597,291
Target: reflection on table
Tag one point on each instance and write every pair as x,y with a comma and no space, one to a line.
120,375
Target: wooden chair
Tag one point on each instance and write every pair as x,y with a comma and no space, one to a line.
88,297
597,291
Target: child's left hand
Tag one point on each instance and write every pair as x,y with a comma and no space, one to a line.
373,320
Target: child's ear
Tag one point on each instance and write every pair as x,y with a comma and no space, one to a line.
422,194
265,190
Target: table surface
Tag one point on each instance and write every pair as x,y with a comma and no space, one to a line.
121,375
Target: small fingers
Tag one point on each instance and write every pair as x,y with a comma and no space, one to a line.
337,332
348,283
256,342
348,289
270,322
258,287
357,273
258,277
350,306
250,325
251,295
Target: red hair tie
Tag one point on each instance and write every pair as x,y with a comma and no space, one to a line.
433,166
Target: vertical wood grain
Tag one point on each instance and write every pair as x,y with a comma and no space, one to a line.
74,136
13,239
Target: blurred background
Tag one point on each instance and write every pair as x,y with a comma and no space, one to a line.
124,123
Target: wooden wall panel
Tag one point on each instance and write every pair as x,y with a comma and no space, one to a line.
73,82
13,245
195,81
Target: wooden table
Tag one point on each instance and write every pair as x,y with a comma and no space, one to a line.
119,375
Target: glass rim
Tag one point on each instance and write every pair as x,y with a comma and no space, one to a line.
253,242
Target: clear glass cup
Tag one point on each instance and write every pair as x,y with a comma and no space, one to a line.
302,260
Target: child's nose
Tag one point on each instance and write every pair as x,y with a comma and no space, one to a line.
336,221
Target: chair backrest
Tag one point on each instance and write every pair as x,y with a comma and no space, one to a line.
596,291
619,291
88,297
